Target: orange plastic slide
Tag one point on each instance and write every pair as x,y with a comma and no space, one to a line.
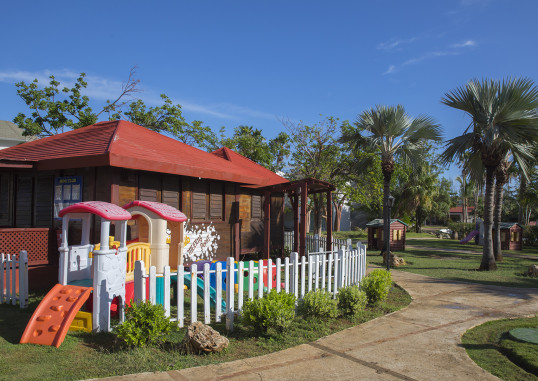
51,320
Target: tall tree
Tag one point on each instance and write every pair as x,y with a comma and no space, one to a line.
54,109
250,142
503,119
390,132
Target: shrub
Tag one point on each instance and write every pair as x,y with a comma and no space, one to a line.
530,235
276,310
376,285
320,304
463,228
351,300
145,324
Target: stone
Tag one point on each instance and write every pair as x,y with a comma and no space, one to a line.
533,270
394,260
201,338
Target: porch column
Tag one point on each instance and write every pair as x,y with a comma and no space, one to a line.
267,224
282,219
329,221
295,203
237,229
304,198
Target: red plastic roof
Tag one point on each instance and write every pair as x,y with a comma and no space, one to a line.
103,209
127,145
167,212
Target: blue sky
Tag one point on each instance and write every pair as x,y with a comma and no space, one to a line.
257,62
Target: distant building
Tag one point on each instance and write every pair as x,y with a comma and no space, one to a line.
456,214
397,234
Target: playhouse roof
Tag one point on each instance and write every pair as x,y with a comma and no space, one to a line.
163,210
103,209
127,145
378,223
508,225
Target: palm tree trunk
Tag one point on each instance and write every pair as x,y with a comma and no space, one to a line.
488,259
386,216
497,213
522,189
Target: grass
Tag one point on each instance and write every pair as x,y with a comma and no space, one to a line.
439,262
84,355
490,346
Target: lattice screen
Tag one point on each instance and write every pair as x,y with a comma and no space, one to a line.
34,241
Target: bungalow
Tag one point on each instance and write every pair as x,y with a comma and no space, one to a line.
456,214
222,193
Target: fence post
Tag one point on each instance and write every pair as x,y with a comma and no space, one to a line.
194,299
260,279
181,295
240,284
218,290
336,273
8,279
139,281
295,274
230,294
287,275
251,280
278,275
153,284
166,289
323,273
270,275
329,271
303,270
13,279
207,304
23,279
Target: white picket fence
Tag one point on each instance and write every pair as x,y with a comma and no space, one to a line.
8,279
315,242
329,271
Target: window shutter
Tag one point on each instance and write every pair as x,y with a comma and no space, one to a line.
256,207
199,208
215,201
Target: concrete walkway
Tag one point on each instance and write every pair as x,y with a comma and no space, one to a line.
420,342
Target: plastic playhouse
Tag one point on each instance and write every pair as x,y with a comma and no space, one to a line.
81,271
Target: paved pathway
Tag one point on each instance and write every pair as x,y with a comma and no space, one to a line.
420,342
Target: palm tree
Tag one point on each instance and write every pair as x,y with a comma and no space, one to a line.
503,119
390,132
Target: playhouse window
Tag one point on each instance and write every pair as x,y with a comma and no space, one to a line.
216,201
396,235
514,236
199,207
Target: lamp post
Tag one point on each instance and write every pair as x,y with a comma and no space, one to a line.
389,205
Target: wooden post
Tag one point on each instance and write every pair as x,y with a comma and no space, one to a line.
267,224
329,221
295,203
304,198
282,218
237,229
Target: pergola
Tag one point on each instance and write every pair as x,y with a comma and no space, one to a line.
298,192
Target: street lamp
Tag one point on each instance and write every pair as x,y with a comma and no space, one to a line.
389,205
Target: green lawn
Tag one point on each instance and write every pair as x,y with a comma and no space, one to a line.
439,262
490,346
84,355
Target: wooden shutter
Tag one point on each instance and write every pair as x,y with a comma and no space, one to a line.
148,188
23,202
171,191
199,207
44,202
256,207
215,201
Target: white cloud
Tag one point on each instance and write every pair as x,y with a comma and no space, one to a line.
465,44
391,69
393,43
102,89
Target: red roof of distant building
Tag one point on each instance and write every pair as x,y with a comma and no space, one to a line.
127,145
459,209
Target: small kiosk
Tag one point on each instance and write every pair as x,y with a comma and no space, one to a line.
397,234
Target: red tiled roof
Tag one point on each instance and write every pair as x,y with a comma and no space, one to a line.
459,209
127,145
250,167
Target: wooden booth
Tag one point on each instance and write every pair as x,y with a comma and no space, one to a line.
397,234
222,193
511,236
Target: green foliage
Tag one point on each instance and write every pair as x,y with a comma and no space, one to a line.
318,303
351,300
145,324
275,310
376,285
462,228
530,236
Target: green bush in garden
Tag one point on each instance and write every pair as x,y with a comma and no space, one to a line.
376,285
319,303
351,300
145,324
276,310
